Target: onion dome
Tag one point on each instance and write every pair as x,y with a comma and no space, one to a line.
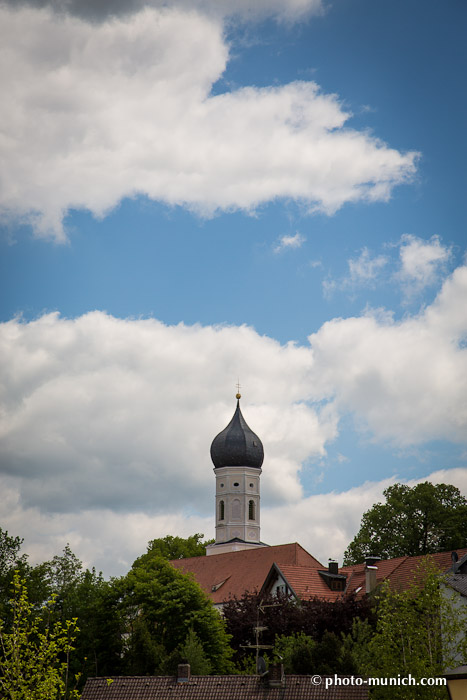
237,445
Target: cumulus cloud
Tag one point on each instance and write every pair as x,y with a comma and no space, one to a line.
101,111
105,419
104,412
288,242
289,10
324,524
405,381
421,262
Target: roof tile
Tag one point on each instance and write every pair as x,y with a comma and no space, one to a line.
217,688
242,571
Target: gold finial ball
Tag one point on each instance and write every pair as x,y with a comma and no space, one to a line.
238,396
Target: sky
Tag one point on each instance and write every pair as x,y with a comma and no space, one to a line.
193,196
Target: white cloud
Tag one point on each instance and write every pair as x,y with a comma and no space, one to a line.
405,381
98,112
421,262
287,242
363,271
288,10
103,412
324,524
365,268
105,419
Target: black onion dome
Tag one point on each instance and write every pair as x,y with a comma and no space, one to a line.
237,445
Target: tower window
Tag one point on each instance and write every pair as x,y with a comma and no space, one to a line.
236,483
251,510
222,486
221,510
251,486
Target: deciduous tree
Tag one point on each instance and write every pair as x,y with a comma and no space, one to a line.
422,519
34,660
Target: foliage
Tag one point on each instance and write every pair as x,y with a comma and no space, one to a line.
418,632
192,652
9,553
283,618
10,560
160,604
170,547
423,519
303,655
34,660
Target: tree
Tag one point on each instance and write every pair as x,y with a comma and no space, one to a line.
423,519
296,652
84,595
10,560
192,652
171,547
34,662
303,655
283,618
419,631
160,604
9,553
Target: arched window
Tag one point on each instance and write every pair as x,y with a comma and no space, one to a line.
221,510
251,510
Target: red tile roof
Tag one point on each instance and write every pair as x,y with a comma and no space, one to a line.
306,582
216,688
229,575
400,572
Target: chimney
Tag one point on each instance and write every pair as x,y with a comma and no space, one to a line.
276,677
333,567
183,673
372,561
370,578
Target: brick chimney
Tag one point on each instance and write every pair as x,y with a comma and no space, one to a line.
183,673
333,567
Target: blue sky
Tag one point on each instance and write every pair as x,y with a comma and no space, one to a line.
297,168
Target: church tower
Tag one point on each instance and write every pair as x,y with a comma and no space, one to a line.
237,454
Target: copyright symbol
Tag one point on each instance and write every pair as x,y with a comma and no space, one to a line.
316,680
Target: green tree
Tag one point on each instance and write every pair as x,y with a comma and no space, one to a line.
10,558
422,519
170,547
34,661
301,654
192,652
160,600
295,652
419,631
84,595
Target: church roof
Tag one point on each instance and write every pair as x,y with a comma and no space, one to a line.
230,575
237,445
